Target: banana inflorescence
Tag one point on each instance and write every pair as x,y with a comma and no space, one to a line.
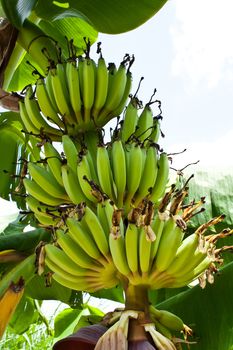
114,215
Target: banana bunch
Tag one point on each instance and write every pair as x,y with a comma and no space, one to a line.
153,250
80,257
76,95
125,173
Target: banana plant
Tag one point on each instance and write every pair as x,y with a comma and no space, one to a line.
75,197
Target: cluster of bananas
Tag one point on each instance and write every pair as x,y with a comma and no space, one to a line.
76,96
115,220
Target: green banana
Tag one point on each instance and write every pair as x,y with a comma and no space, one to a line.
47,181
157,226
104,172
145,123
33,111
61,94
125,96
37,192
83,238
71,152
130,120
75,252
30,127
101,88
170,241
167,319
88,87
134,166
84,173
54,161
118,252
144,248
61,259
73,81
71,185
96,230
46,105
131,247
184,254
161,179
119,170
149,175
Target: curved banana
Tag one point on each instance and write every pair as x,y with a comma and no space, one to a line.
30,127
96,230
157,226
121,106
60,259
149,175
61,94
101,88
88,87
71,185
184,254
118,252
134,166
46,180
104,171
171,239
84,173
115,93
76,253
37,192
131,247
71,152
145,124
46,105
130,120
161,179
54,161
83,238
144,248
33,111
119,170
73,81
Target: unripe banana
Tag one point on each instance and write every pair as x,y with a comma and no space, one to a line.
119,170
125,97
149,175
47,181
166,318
88,87
96,230
75,252
84,174
82,238
118,252
71,185
36,191
157,226
171,238
54,161
30,127
61,94
161,179
144,251
71,152
131,247
101,88
46,105
73,81
130,120
145,124
105,172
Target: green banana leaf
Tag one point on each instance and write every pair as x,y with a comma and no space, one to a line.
106,16
209,312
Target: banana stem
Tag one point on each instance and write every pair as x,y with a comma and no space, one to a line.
136,298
